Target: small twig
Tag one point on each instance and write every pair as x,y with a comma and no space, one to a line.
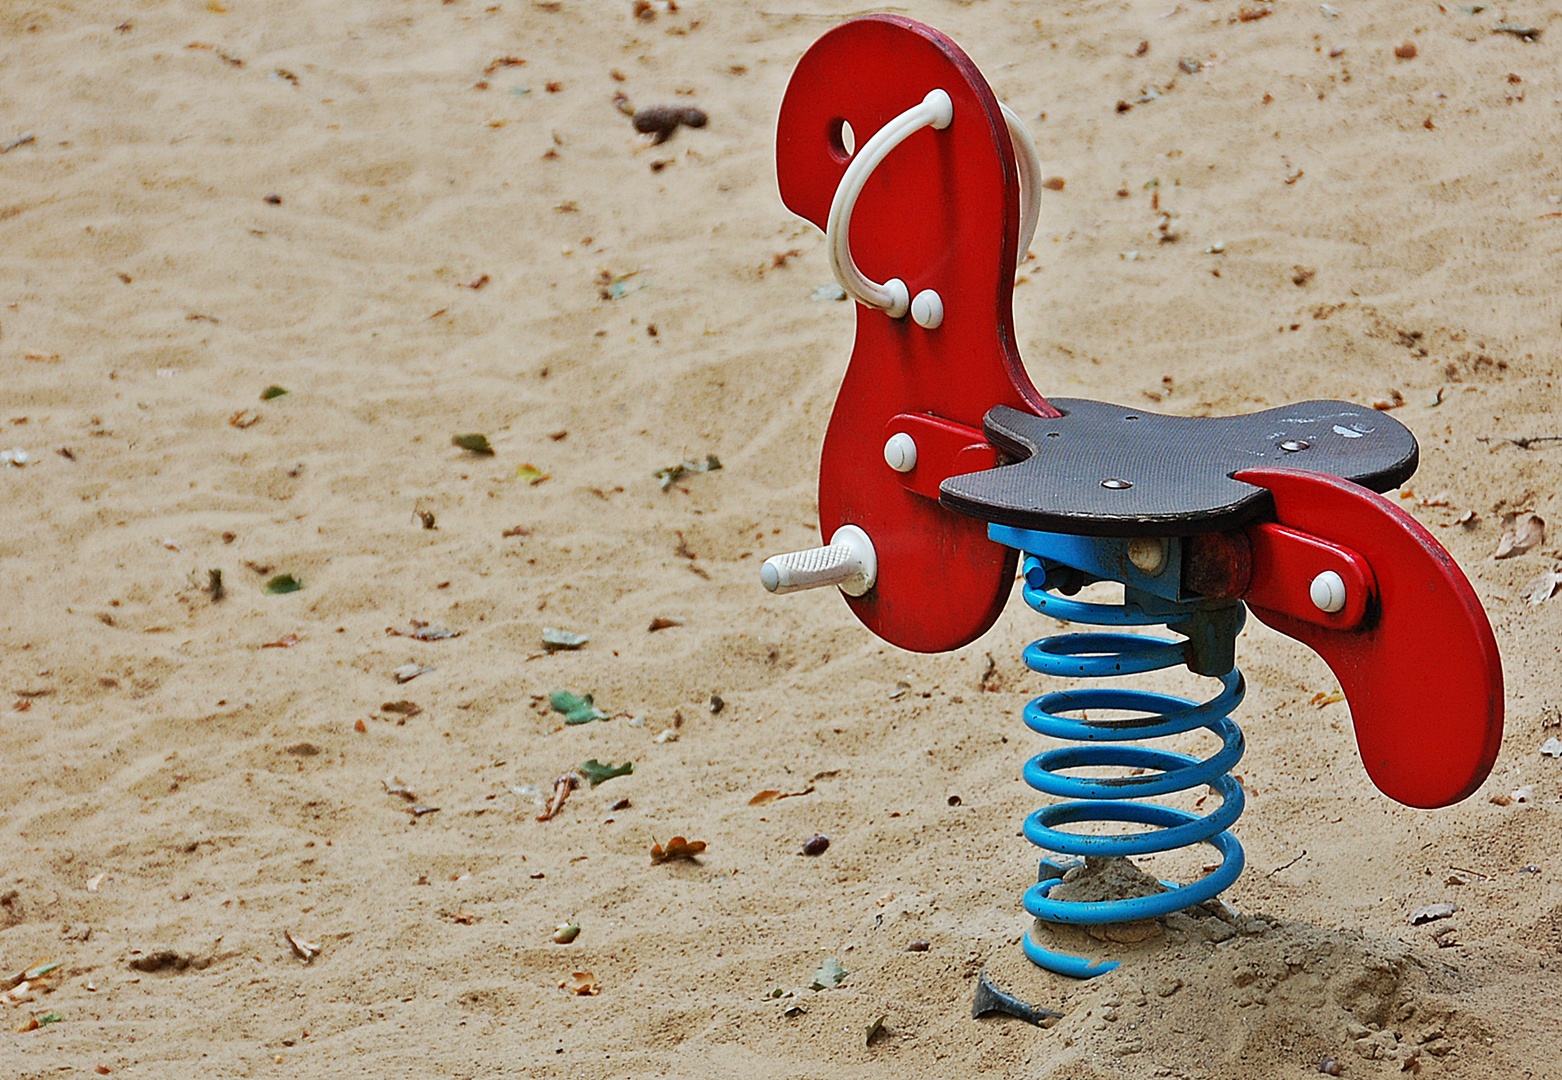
1467,870
1288,865
1523,442
21,140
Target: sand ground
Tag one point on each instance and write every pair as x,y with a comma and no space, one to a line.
369,206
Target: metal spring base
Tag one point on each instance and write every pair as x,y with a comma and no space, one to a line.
1155,716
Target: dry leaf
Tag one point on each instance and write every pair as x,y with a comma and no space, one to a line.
286,641
581,984
419,630
1329,698
244,418
19,993
1519,534
561,789
503,62
770,795
1542,588
304,950
677,848
1432,912
661,622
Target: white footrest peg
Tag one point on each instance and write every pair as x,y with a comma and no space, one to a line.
849,561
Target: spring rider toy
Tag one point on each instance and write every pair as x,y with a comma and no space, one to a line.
942,466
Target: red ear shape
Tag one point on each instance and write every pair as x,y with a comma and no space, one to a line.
1421,673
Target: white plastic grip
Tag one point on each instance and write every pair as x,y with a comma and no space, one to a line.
849,561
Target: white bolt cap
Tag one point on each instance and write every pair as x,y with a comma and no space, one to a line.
1148,554
1327,592
927,309
900,452
944,106
899,298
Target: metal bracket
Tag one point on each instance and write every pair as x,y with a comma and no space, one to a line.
938,449
1290,567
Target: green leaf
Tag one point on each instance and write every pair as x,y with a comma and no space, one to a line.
554,639
612,286
673,473
272,392
829,975
477,444
283,583
50,1017
597,771
577,709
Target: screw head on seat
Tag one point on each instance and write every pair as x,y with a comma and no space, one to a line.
1327,592
900,452
927,309
1148,554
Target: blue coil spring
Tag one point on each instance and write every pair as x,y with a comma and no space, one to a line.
1089,799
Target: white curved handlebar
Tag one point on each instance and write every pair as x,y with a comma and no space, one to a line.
893,298
1029,163
935,111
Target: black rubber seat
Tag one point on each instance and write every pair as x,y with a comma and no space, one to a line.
1108,470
